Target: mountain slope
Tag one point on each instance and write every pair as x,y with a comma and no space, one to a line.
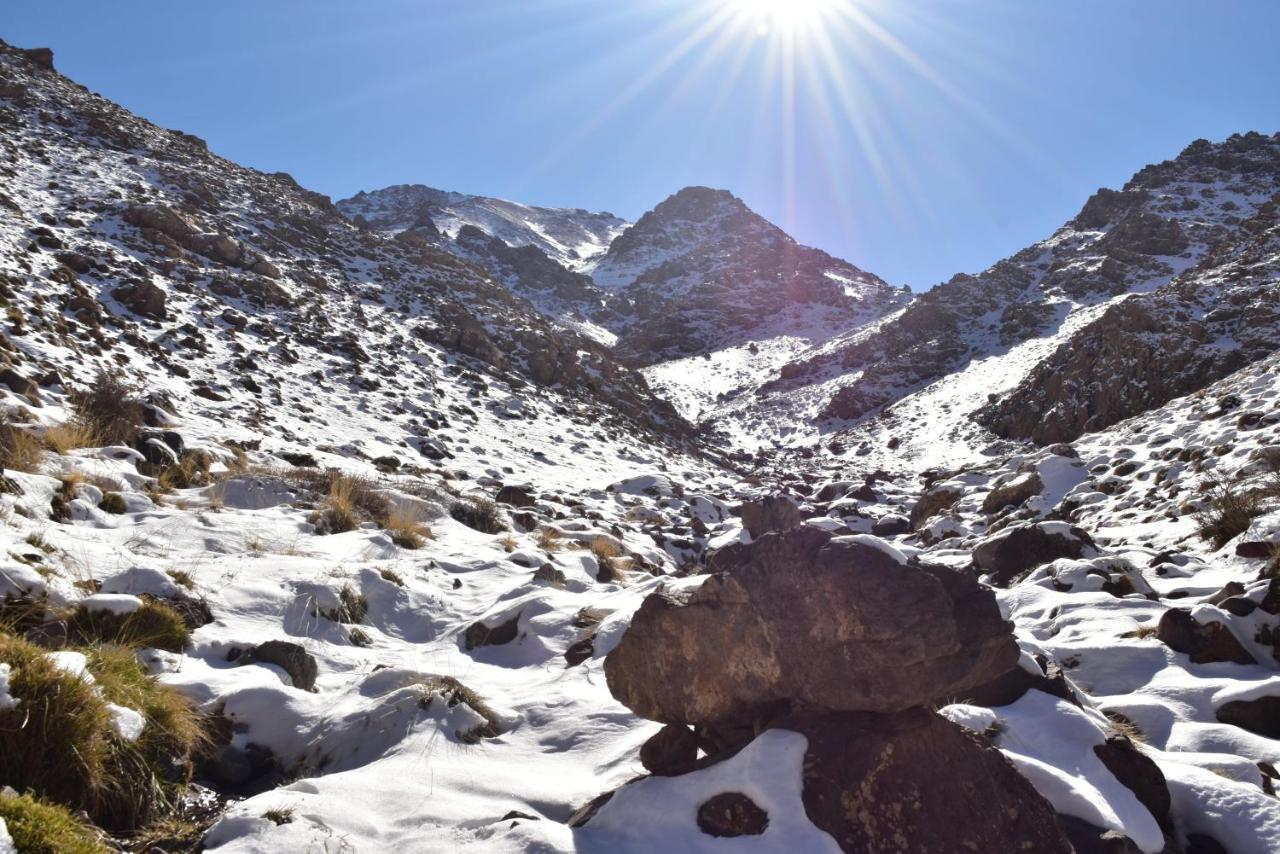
572,238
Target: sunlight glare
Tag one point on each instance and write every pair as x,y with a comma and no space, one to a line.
782,14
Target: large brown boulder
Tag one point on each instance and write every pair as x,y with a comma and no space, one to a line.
932,503
914,781
835,623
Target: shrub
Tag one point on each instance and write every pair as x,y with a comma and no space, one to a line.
1226,512
352,607
112,409
19,449
42,828
549,539
113,502
480,513
61,438
60,742
155,624
351,500
192,469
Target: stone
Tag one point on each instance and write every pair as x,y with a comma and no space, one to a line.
731,814
913,781
516,496
670,751
890,525
838,623
293,659
1020,548
1013,493
932,503
1260,715
1203,642
482,634
772,513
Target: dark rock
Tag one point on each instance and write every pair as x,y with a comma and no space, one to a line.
1139,774
890,525
670,751
1260,715
298,459
142,297
1204,642
293,659
516,496
913,781
731,814
480,634
833,623
1086,838
1022,547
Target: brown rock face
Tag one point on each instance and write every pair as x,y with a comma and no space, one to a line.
829,623
916,782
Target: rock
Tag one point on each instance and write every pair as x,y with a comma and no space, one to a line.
1086,838
20,385
890,525
670,751
1260,715
39,56
932,503
772,513
914,781
1140,774
516,496
142,297
481,634
293,659
731,814
550,575
1014,492
835,623
1022,547
1204,642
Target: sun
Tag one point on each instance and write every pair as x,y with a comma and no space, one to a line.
783,14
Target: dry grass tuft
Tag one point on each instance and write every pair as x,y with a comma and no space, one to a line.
152,625
549,539
406,528
112,408
60,742
62,438
20,450
480,513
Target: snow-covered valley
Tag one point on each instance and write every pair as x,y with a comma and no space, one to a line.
428,522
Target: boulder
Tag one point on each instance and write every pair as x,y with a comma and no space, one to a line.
1260,715
1019,548
1203,642
932,503
516,496
670,751
914,781
772,513
142,297
291,658
837,623
1014,492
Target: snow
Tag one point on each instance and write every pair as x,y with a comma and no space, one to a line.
7,700
111,603
6,841
127,723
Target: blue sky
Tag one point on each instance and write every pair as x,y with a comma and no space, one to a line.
916,138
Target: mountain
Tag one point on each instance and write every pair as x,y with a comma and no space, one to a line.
331,531
572,238
1169,242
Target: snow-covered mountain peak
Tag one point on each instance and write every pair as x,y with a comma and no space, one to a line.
570,236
